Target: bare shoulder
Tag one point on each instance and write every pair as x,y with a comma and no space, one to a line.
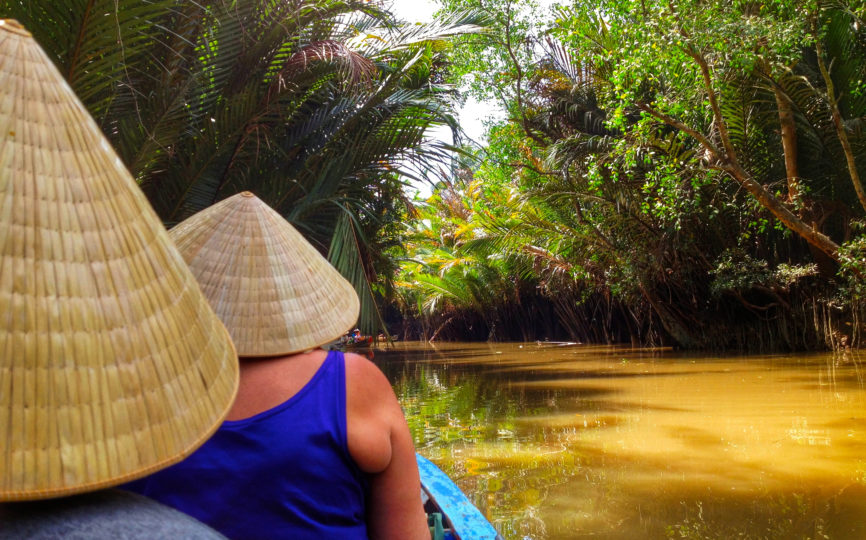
364,378
372,414
370,399
381,444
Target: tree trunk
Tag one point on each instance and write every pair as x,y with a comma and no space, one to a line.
789,143
839,124
826,265
783,213
728,162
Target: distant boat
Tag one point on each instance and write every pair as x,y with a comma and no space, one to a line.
350,342
461,520
355,342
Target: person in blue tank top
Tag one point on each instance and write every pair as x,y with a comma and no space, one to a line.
316,445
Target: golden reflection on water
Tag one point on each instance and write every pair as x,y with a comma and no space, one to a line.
555,442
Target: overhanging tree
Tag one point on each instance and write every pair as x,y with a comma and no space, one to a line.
317,106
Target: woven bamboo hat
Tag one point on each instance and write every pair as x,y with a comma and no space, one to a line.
275,293
112,364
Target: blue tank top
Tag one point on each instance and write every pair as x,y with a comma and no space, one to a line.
283,473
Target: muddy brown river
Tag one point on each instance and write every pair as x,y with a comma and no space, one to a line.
555,441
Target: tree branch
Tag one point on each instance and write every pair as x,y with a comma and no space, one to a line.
673,122
837,118
518,85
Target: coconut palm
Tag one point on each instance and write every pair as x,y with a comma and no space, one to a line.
317,106
632,212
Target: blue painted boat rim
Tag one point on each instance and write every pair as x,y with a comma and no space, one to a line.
467,522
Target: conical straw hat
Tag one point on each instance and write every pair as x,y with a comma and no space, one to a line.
275,293
112,365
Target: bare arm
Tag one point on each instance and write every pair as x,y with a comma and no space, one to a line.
381,445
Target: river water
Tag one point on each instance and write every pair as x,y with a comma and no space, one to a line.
558,441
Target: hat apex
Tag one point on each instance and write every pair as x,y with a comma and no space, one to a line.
272,289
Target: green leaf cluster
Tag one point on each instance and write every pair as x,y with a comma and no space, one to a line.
319,107
688,171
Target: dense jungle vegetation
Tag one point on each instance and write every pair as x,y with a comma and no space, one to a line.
668,173
682,173
319,107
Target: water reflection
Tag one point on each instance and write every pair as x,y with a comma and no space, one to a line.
609,442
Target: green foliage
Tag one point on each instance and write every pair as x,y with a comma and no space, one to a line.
642,172
486,63
738,271
443,274
317,106
853,255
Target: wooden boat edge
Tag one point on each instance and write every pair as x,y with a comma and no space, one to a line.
467,521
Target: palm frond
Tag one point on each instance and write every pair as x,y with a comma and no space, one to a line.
345,255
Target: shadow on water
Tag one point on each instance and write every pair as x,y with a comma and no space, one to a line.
614,442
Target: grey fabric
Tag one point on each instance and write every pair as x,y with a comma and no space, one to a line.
100,515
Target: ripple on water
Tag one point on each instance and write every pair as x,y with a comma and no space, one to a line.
616,442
